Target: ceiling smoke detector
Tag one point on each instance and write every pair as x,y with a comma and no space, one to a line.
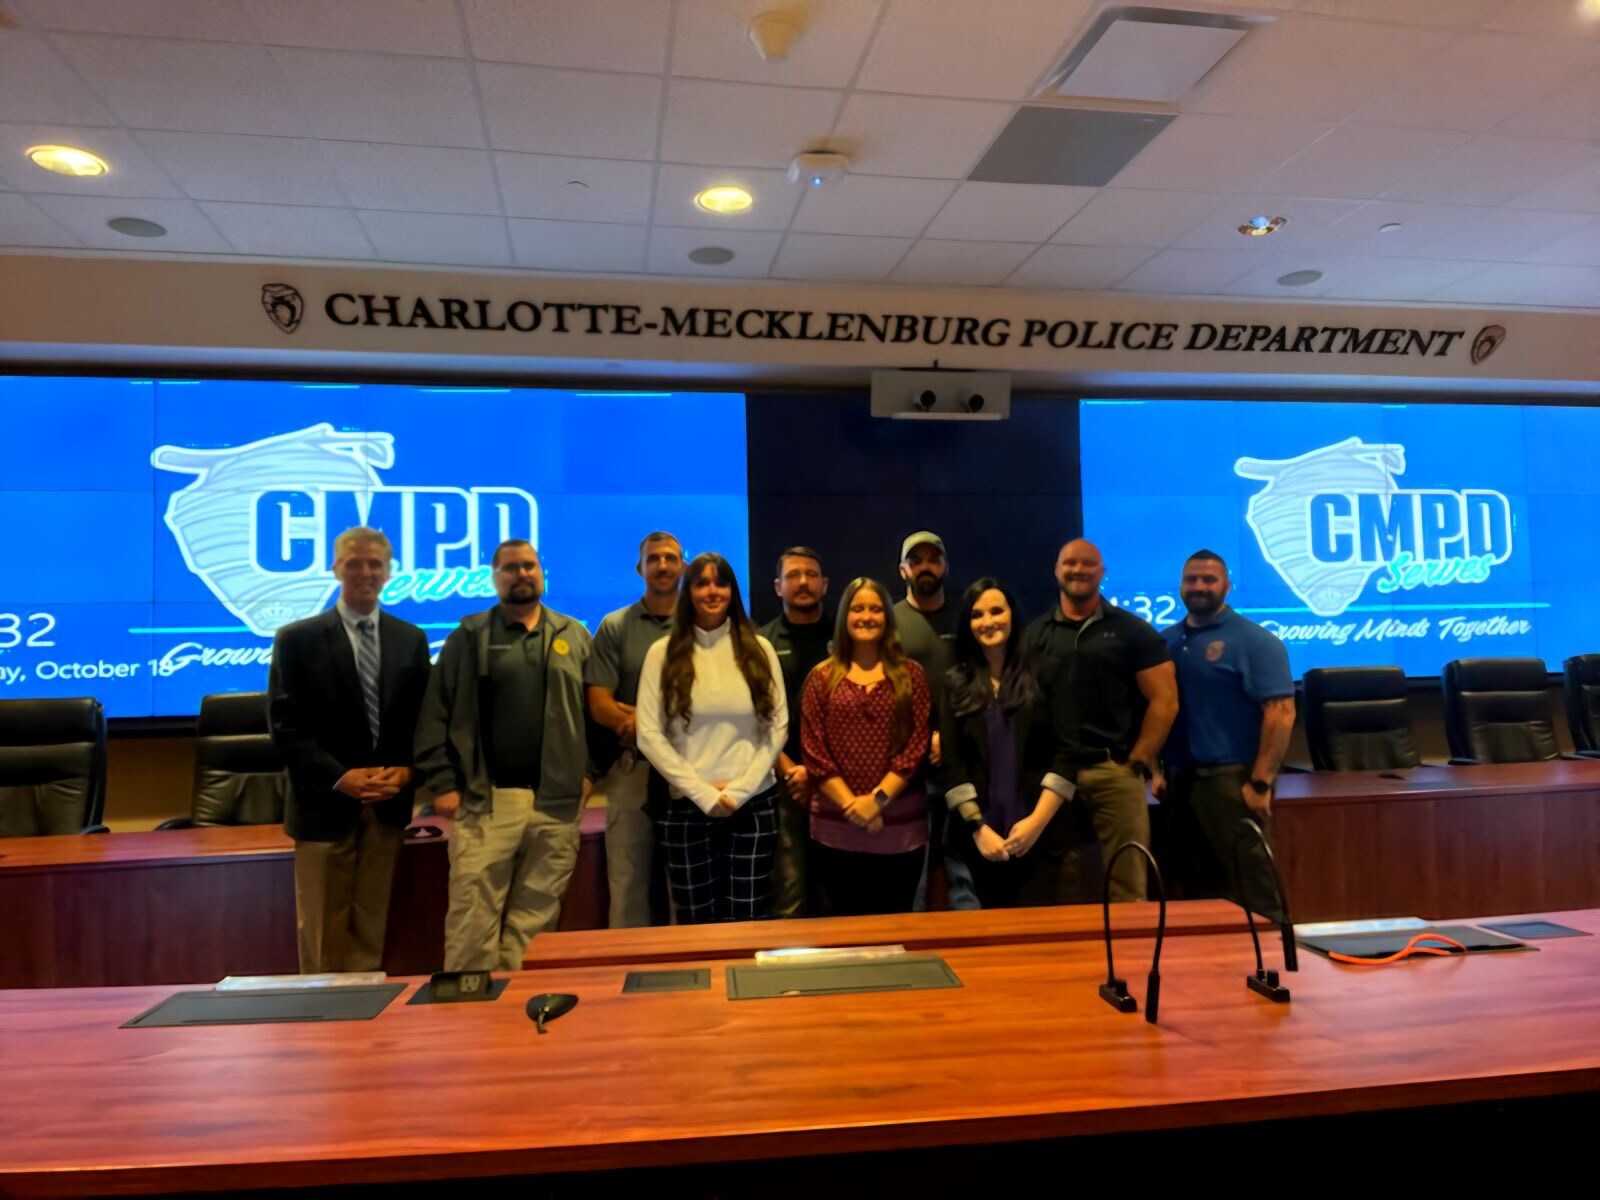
818,167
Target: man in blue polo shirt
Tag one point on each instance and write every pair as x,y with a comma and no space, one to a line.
1235,716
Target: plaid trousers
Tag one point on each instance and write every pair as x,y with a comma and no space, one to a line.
720,868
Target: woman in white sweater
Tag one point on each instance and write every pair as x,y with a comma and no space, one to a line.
712,718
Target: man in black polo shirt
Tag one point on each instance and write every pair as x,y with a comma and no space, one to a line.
1113,696
925,622
800,635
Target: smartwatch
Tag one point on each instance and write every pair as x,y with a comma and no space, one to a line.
883,798
1260,786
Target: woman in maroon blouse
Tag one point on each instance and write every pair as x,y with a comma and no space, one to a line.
864,731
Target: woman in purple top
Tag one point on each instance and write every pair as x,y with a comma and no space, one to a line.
997,745
864,731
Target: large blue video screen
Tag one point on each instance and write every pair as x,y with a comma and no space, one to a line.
1359,533
157,532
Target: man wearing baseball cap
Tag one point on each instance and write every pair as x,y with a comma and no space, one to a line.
926,626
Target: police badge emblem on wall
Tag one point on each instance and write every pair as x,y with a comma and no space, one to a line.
1487,342
283,304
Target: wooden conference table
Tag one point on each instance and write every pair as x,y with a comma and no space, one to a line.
692,1093
185,905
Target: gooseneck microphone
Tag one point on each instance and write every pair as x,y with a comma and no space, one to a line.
1114,991
1264,981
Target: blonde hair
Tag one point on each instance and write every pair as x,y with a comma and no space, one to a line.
357,534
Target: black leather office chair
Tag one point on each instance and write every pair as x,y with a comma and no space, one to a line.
52,767
1358,719
1496,710
1583,702
239,777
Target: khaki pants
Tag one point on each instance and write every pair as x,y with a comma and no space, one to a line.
341,896
630,843
1118,809
509,868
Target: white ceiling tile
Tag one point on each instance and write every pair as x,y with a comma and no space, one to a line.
1209,271
712,123
36,85
1474,83
1438,231
1080,268
1360,161
914,135
131,172
1412,12
1580,247
775,198
202,87
232,166
1492,169
86,217
582,113
842,259
1262,279
869,204
1360,277
384,97
205,19
1575,191
415,178
1284,68
1307,219
1217,154
974,264
752,252
959,48
578,245
710,41
1007,212
436,238
1516,283
1571,111
575,189
22,224
1136,217
289,231
600,35
389,26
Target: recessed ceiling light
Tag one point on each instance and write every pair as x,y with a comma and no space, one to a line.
67,160
137,227
724,200
1390,227
1299,278
1262,226
1589,8
710,256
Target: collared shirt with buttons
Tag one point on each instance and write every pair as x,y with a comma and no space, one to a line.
351,620
516,686
1227,669
620,644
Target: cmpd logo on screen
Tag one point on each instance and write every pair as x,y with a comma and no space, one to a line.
1330,519
258,523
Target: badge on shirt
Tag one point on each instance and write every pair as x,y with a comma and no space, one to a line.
560,646
1214,650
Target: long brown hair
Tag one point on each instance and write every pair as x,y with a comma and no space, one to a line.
890,653
677,671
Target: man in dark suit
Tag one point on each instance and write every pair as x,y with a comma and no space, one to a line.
345,690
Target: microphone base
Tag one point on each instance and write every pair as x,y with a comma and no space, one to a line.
1265,983
1115,993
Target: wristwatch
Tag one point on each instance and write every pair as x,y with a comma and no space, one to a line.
1260,786
883,798
1139,768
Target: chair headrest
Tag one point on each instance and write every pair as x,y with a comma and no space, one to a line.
232,714
50,722
1355,683
1498,674
1584,668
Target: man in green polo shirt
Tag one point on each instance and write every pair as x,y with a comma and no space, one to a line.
1113,695
613,688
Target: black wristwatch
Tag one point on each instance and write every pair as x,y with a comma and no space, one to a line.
1260,786
883,798
1139,768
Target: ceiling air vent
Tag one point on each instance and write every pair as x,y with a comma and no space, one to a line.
1151,55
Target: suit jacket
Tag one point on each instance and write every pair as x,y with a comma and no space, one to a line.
319,719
